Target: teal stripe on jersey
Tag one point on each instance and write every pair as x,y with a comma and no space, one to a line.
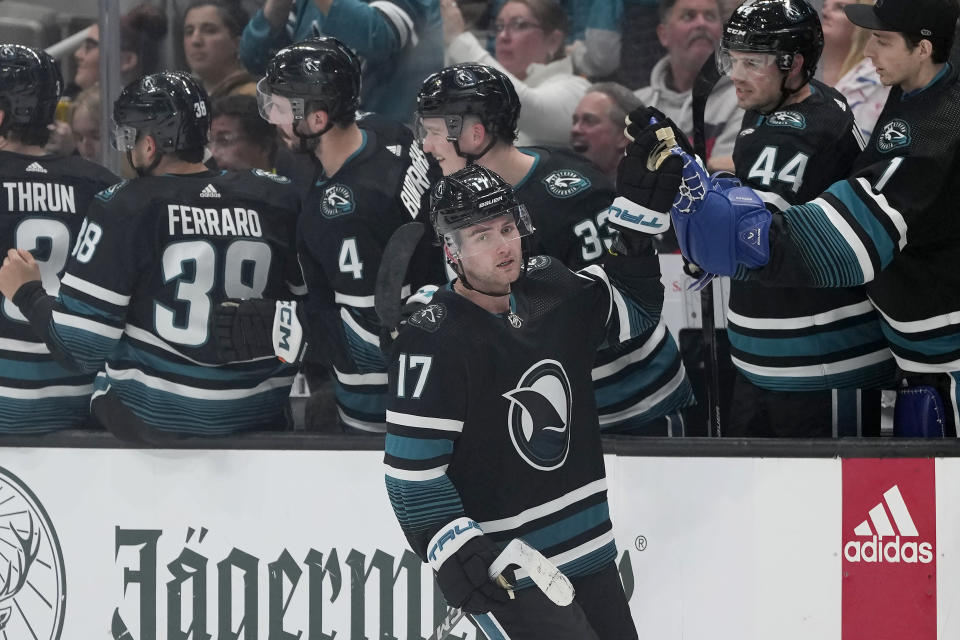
371,404
591,562
878,376
881,239
679,399
867,333
128,355
641,375
490,630
568,528
170,411
423,506
85,348
827,254
941,345
77,307
38,370
367,357
416,448
41,415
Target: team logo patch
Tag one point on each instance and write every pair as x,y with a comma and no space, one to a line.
791,11
310,66
439,190
565,183
428,318
787,119
32,579
539,415
538,262
111,191
893,135
271,176
337,201
464,78
147,84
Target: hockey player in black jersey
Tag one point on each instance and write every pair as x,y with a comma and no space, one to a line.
802,355
468,113
892,225
152,258
491,392
43,202
369,185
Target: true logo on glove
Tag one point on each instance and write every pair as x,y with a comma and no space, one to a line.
450,535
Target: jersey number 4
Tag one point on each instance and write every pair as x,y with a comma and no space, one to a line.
765,169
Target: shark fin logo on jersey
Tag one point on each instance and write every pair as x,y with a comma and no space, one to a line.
32,577
539,415
894,135
565,183
787,119
538,262
428,318
337,201
111,191
271,176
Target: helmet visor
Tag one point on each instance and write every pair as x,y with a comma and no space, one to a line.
124,137
745,63
487,236
277,109
442,127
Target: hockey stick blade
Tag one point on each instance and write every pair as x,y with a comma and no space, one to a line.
387,299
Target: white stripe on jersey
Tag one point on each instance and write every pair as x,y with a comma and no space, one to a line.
859,136
648,402
822,369
195,392
853,241
895,217
545,509
46,392
634,356
351,322
362,425
927,324
415,476
773,198
357,379
297,289
400,20
95,290
85,324
598,273
424,422
22,346
363,302
801,322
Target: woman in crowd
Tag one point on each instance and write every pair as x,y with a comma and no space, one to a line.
211,34
85,123
141,31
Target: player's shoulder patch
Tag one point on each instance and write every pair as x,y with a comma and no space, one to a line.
337,201
566,183
893,135
112,190
793,119
429,318
271,176
537,263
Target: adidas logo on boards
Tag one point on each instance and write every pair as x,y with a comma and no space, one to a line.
884,544
209,192
35,167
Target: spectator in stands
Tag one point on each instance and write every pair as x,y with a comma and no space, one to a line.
85,123
211,35
240,139
690,32
857,78
837,38
400,42
140,33
598,122
596,54
530,50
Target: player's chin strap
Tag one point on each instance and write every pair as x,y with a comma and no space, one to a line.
472,158
305,137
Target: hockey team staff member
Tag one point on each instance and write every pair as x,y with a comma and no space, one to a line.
491,390
369,186
892,225
467,114
153,256
802,355
42,205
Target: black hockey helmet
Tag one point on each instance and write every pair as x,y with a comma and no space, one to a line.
780,27
323,71
30,85
171,106
470,196
470,89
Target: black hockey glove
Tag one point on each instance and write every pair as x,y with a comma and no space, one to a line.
251,329
462,570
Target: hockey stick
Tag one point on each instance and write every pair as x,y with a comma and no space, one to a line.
545,575
703,85
387,299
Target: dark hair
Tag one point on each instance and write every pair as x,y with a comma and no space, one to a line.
551,16
233,15
26,134
941,46
666,6
141,31
244,109
189,155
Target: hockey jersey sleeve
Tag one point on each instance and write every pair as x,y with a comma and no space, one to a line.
426,408
631,296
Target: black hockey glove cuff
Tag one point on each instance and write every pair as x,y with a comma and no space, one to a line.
252,329
461,556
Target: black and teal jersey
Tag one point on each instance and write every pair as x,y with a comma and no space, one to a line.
568,198
152,259
42,205
893,226
793,339
346,221
492,416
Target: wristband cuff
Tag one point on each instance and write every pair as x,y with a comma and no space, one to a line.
448,540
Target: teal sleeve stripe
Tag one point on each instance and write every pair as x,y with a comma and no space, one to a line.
639,377
48,370
811,345
940,345
88,350
423,505
882,242
40,415
78,308
827,254
568,528
366,356
417,448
